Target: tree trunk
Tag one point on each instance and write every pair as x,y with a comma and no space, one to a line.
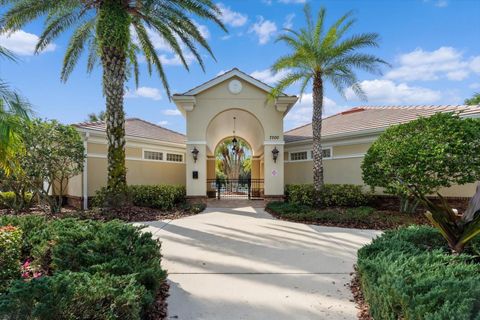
317,138
113,34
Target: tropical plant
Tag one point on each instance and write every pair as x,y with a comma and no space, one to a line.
94,117
473,100
116,31
427,153
14,111
231,159
322,55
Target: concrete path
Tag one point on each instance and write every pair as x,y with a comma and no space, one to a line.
230,264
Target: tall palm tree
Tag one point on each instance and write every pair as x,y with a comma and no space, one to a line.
116,31
14,110
318,55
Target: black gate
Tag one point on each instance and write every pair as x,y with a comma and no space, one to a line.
251,189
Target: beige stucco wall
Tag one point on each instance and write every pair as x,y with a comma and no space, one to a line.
347,169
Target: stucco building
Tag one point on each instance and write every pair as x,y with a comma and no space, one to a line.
155,155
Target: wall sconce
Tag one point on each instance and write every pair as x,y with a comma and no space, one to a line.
195,153
275,153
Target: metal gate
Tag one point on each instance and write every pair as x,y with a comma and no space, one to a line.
251,189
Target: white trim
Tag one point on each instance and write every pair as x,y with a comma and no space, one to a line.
347,142
351,156
273,143
227,75
85,173
164,155
196,142
104,156
309,154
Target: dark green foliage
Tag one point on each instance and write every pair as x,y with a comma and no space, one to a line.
163,197
11,200
427,153
332,195
10,251
474,100
410,274
89,268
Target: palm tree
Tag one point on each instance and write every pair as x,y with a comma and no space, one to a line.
116,31
14,110
319,55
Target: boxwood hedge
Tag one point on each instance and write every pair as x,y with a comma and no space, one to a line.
410,274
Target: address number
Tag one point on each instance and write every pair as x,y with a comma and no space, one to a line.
274,137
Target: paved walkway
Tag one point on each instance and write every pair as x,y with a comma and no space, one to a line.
230,264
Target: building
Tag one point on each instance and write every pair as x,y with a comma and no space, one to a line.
235,104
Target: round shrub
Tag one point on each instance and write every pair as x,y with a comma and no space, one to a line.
83,269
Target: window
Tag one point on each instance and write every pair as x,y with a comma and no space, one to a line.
296,156
174,157
153,155
327,153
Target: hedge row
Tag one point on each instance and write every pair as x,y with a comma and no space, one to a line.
163,197
332,195
10,245
410,274
81,269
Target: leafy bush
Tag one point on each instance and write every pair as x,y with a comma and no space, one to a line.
90,270
10,251
11,200
409,274
163,197
332,195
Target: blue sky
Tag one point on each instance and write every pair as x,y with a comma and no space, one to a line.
432,45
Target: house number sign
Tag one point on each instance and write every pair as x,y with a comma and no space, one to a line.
274,137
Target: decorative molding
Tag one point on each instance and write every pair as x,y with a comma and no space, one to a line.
284,104
273,142
196,142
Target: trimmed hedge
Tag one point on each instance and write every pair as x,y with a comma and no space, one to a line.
9,200
410,274
10,250
88,270
163,197
332,195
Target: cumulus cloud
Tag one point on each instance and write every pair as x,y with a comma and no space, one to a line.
475,85
263,29
172,112
22,43
163,123
268,76
288,24
384,91
445,62
144,92
301,113
230,17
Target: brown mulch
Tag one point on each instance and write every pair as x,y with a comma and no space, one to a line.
128,214
377,222
159,310
360,303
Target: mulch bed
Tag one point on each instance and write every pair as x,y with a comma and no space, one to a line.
128,214
360,303
374,224
159,310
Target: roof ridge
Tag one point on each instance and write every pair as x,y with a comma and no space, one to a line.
158,126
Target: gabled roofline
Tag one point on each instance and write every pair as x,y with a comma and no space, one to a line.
235,72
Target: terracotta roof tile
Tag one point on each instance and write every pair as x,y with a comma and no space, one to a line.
135,127
365,118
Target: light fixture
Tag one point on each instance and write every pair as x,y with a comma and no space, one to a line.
195,153
275,153
234,140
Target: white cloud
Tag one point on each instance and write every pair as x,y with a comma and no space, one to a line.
144,92
475,85
172,112
292,1
438,3
445,62
203,29
268,76
388,92
230,17
264,29
22,43
301,113
163,123
220,73
288,24
174,59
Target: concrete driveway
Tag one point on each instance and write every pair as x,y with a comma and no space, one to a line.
240,263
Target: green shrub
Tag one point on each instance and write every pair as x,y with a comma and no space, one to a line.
10,253
410,274
332,195
117,263
10,200
163,197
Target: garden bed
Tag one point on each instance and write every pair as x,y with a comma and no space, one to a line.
359,217
72,269
411,273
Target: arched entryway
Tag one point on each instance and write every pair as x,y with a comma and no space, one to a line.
210,110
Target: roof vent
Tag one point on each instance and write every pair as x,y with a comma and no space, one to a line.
353,110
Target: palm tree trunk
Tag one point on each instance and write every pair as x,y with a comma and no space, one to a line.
317,137
112,32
